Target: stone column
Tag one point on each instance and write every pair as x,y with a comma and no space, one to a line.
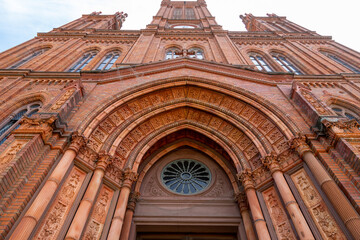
125,233
118,219
83,211
259,221
273,164
37,208
341,204
244,210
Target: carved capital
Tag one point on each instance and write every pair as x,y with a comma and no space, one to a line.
246,177
103,161
272,162
43,126
242,201
134,197
299,144
77,142
129,177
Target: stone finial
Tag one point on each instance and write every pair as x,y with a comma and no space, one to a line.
121,17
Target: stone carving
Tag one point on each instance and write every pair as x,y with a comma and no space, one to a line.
246,177
251,152
53,222
272,162
266,127
92,232
278,215
342,126
56,216
77,142
10,153
315,103
114,173
63,99
88,155
317,207
98,217
153,190
38,125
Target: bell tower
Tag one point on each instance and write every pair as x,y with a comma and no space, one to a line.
184,15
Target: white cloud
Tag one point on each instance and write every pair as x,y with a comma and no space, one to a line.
22,19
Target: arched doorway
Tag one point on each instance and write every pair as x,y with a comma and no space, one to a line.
185,193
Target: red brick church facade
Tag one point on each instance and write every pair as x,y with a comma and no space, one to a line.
181,130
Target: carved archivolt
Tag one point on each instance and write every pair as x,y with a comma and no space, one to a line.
59,210
127,126
325,222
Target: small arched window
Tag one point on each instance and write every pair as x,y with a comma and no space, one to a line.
12,122
83,61
196,53
108,61
286,64
341,62
28,58
173,53
260,63
344,112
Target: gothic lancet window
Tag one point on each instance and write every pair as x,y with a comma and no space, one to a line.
108,61
344,112
260,63
12,122
341,62
84,60
286,64
173,53
189,13
28,58
196,53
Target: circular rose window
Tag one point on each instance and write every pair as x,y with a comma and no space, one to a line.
186,176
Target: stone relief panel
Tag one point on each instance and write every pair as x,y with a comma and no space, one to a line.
10,153
96,223
318,210
50,227
278,215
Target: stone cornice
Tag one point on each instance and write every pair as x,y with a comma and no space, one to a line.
239,72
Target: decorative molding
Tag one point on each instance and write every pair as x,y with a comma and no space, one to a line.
317,207
64,98
42,126
10,153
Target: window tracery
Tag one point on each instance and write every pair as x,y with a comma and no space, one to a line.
29,58
12,122
344,112
286,64
260,63
108,61
84,60
173,53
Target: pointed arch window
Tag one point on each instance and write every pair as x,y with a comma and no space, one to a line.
344,112
108,61
286,64
28,58
173,53
196,53
260,63
341,62
12,122
83,61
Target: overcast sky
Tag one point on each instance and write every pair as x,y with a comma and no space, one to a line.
21,20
